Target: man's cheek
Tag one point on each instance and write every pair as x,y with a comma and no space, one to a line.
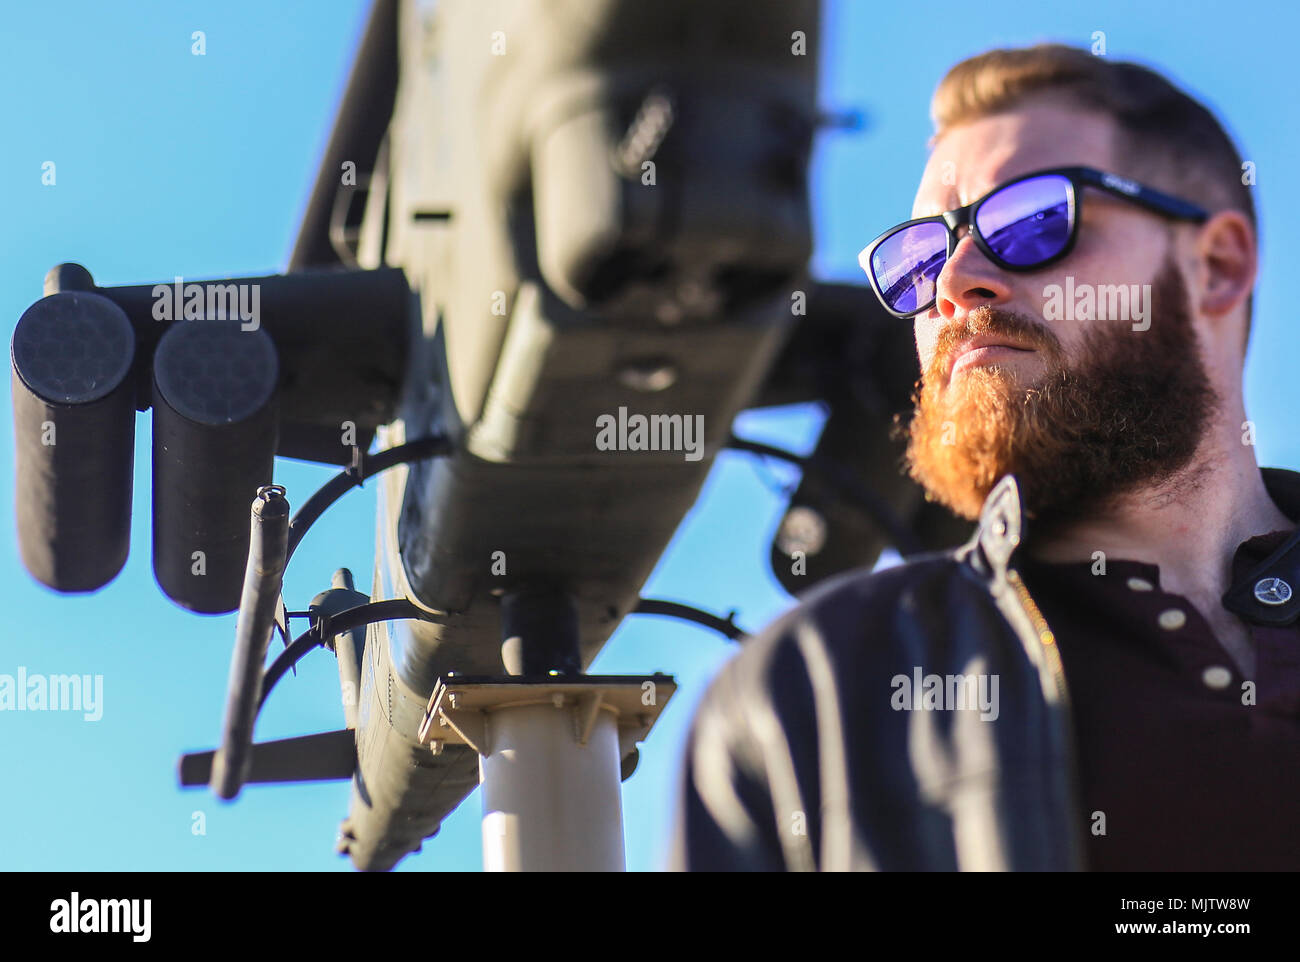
925,343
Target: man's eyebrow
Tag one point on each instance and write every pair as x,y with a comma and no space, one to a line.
954,202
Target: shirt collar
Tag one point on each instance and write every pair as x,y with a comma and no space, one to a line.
1265,567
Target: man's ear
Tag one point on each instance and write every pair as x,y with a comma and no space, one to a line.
1226,263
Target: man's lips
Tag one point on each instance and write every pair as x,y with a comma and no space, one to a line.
983,347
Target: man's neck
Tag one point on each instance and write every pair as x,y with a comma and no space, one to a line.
1189,525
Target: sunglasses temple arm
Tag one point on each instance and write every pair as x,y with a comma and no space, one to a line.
1153,200
1170,206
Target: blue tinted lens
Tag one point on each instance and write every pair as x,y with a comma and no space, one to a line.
1028,222
906,266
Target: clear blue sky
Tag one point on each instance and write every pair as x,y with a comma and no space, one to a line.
170,164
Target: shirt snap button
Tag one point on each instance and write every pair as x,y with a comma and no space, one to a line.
1172,618
1272,591
1216,677
1140,584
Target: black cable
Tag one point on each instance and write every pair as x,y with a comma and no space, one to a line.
327,626
291,655
905,541
671,609
353,477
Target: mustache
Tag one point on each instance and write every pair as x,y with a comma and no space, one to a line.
987,320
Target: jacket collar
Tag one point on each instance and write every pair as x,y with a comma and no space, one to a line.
1267,593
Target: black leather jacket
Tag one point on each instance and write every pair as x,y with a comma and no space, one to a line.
798,759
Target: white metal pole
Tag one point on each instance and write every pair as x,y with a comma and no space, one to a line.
550,803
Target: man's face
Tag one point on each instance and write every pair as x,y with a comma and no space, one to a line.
1086,408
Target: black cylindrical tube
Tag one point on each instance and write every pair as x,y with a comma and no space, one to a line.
74,439
214,436
267,547
539,630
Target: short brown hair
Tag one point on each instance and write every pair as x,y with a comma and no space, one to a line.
1166,137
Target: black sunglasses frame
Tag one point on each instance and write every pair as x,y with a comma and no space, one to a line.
1078,178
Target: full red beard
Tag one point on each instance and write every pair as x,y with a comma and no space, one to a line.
1129,413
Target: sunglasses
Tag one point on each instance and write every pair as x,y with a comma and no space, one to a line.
1022,225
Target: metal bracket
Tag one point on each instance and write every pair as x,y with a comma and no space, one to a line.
459,708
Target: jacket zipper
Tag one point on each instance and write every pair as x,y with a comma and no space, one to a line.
1045,635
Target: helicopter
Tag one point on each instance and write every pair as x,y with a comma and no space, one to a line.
551,252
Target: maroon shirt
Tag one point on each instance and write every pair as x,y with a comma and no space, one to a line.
1189,778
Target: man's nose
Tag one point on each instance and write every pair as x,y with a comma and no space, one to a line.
969,279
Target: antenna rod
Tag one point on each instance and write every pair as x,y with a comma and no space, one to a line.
267,550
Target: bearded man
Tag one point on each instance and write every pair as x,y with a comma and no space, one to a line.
1107,675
